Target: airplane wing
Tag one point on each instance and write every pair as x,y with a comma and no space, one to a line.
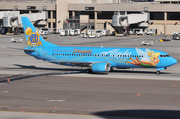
85,64
31,50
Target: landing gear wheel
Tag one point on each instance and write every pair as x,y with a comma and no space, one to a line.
111,69
158,72
88,71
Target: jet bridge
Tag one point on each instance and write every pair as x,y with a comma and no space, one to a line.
13,18
121,22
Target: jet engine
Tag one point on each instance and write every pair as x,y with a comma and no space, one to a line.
100,67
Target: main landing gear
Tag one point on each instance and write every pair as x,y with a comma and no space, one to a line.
158,72
88,71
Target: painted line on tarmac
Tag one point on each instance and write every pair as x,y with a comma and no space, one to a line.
52,113
64,114
142,78
55,100
30,115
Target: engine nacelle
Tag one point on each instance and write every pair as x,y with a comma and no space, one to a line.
101,67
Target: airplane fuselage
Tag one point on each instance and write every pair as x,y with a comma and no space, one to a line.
117,57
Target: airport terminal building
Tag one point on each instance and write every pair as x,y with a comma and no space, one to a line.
163,15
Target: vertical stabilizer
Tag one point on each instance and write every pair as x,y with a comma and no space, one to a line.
33,38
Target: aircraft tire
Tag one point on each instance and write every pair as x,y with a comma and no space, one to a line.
158,72
111,69
88,71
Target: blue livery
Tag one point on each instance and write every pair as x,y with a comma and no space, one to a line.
98,59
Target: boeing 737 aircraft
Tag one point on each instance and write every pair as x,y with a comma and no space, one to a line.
98,59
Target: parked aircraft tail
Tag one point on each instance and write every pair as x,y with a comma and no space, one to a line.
33,38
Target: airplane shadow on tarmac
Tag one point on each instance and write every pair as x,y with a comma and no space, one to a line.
141,72
22,76
79,70
42,68
145,114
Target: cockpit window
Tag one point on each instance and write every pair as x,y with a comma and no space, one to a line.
164,55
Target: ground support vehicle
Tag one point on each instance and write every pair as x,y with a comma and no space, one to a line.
176,36
165,39
91,36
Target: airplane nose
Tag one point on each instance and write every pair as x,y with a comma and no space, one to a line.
173,61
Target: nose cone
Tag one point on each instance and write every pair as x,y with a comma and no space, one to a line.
172,61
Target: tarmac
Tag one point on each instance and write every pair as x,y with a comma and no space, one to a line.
24,115
48,90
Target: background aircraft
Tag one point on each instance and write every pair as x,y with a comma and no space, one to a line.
98,59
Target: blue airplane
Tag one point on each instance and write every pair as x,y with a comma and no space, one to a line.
98,59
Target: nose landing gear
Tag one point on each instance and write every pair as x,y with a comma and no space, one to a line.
158,70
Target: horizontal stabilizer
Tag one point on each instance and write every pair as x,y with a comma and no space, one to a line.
31,50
